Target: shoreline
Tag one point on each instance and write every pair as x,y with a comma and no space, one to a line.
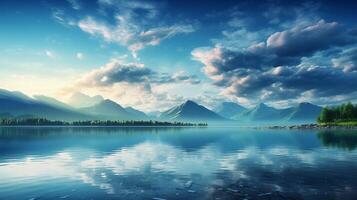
84,126
313,127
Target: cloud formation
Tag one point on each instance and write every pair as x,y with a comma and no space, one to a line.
275,69
118,72
130,27
133,84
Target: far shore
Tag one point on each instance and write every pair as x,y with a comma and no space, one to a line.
332,126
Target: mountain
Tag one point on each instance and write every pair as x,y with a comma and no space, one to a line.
304,112
136,112
52,101
81,100
261,112
18,104
190,111
229,109
110,110
14,95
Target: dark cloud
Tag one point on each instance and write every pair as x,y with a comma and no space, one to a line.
305,41
281,48
117,72
285,67
291,82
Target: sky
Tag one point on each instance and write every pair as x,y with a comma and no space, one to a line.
156,54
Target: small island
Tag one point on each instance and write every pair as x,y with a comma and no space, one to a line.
129,123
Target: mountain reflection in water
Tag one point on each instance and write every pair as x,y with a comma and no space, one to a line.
176,163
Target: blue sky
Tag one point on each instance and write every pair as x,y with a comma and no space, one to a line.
155,54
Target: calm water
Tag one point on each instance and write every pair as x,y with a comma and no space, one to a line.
176,163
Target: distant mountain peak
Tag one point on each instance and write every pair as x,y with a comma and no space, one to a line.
305,104
136,112
108,101
190,110
81,100
229,109
189,103
109,104
262,105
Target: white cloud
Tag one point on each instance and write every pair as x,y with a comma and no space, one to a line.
135,25
126,33
80,56
49,54
75,4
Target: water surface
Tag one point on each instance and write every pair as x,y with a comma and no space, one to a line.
176,163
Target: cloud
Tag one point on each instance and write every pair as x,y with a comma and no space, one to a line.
116,72
131,8
126,33
316,37
133,25
280,67
75,4
49,54
135,85
122,33
292,82
154,36
80,56
347,60
281,48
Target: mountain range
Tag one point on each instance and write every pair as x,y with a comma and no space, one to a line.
109,110
17,104
302,113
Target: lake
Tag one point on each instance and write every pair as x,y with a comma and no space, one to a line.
176,163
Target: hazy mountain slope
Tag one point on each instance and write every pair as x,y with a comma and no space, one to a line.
108,109
305,112
16,104
81,100
261,112
52,101
190,111
229,109
136,112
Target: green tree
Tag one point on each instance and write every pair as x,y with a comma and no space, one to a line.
326,115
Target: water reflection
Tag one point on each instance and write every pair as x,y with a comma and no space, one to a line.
226,164
340,138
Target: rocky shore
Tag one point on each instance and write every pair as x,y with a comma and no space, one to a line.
313,126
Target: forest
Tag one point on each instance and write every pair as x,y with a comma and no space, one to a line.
342,113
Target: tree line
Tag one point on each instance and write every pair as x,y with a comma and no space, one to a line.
343,113
46,122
